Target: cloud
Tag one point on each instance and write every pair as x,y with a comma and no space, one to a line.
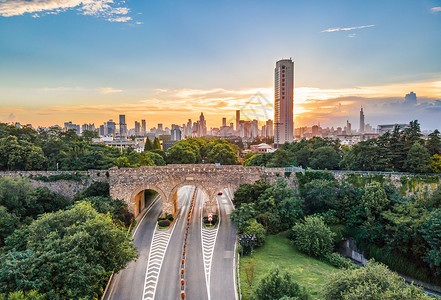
113,11
435,9
109,90
351,35
346,28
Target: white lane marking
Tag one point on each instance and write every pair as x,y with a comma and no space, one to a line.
209,237
136,229
158,248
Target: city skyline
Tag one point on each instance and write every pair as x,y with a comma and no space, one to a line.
89,63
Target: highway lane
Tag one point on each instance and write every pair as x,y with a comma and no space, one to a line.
168,287
222,283
129,283
195,274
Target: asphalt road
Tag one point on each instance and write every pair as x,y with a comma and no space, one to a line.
168,287
222,283
195,274
129,283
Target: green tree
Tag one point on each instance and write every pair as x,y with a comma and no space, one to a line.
277,285
223,154
374,281
319,195
313,237
8,223
253,227
145,159
242,216
19,295
181,153
418,159
435,163
325,158
431,232
157,159
433,144
156,144
148,145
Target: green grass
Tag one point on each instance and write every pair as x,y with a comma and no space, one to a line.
277,251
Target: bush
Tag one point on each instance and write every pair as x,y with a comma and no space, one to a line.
277,285
372,282
338,261
256,228
164,223
169,217
313,237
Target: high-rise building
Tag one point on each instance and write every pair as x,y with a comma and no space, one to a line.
224,121
237,120
202,125
254,129
143,127
137,128
122,126
175,133
348,128
269,128
361,120
188,128
284,102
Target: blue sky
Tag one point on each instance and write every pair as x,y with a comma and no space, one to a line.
60,58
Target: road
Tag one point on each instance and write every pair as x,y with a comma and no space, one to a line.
129,283
210,262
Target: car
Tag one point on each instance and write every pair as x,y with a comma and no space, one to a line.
219,194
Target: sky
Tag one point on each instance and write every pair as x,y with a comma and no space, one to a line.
87,61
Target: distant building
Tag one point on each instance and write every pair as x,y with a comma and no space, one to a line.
143,127
175,133
261,148
122,126
237,120
284,102
137,128
382,129
361,130
269,128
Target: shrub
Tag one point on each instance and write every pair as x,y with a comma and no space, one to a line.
313,237
277,285
256,228
169,217
164,223
372,282
213,222
338,261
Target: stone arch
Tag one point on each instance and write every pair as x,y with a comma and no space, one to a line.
134,199
174,191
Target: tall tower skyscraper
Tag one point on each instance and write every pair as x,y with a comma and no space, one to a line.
143,128
283,102
122,126
237,120
361,120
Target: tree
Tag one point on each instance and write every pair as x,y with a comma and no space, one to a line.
372,282
277,285
435,163
431,232
433,144
148,145
249,193
325,158
253,227
417,159
313,237
319,195
242,216
145,159
374,199
181,153
68,254
223,154
19,295
156,144
157,159
8,223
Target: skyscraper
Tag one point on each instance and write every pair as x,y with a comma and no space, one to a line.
361,120
269,128
143,128
284,102
122,126
237,120
137,128
224,121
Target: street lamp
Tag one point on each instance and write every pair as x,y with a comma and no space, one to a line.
248,240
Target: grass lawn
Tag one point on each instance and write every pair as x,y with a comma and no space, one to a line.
277,251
